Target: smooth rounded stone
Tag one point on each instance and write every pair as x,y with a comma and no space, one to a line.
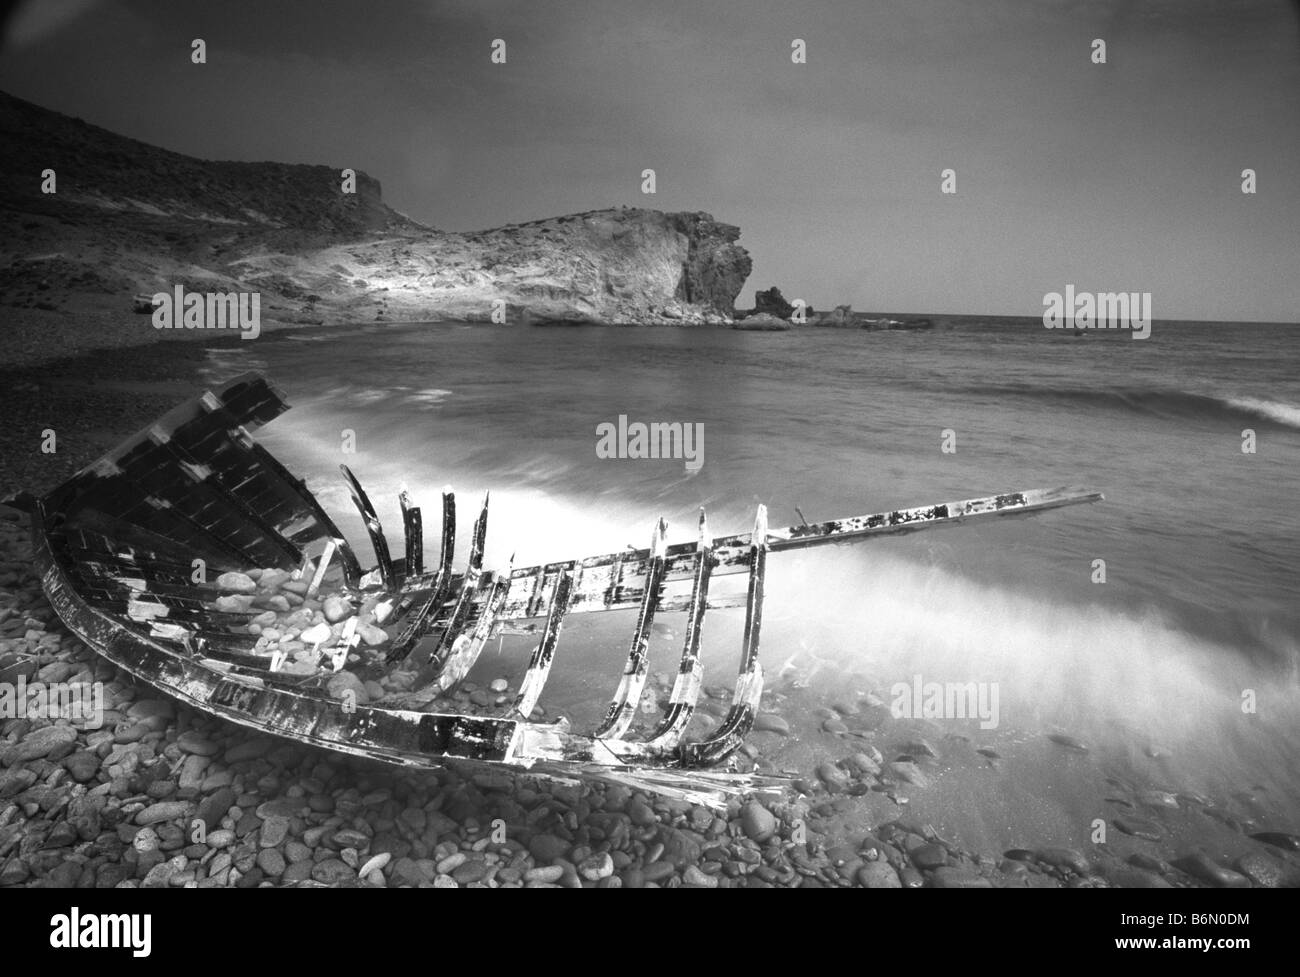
955,877
316,634
332,871
910,878
82,765
1199,865
547,848
909,772
596,867
770,722
164,811
1149,863
15,780
215,806
237,583
146,839
192,742
445,882
863,765
274,832
832,776
920,748
1278,839
657,871
641,814
298,872
1264,871
1158,798
834,726
341,684
270,861
694,876
758,823
473,870
372,635
220,838
234,604
249,749
929,856
266,619
546,873
452,862
1128,877
1069,742
1139,828
39,743
499,685
296,851
878,875
298,587
1064,858
376,863
336,608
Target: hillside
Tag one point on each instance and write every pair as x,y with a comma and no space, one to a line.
131,218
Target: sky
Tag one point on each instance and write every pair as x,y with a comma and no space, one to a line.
1123,176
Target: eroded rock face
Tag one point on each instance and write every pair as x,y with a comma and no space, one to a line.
772,302
132,218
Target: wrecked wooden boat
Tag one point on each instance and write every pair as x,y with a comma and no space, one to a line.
175,553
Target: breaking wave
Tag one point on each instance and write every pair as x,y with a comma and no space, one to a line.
1170,404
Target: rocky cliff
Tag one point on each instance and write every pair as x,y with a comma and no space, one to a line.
129,218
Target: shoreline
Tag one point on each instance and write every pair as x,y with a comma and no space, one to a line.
116,803
868,794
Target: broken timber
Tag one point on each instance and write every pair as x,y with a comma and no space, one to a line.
117,545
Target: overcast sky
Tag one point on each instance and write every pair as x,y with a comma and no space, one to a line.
1122,176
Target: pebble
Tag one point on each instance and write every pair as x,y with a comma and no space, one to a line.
270,861
42,742
1140,828
164,811
332,871
1264,871
1069,742
237,583
878,875
336,608
499,685
909,772
832,776
694,876
317,634
192,742
929,856
1064,858
758,823
1201,866
596,867
770,722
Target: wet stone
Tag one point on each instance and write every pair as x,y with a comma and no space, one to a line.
929,856
1262,870
878,875
1140,828
770,722
1199,865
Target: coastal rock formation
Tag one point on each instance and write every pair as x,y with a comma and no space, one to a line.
129,218
772,302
